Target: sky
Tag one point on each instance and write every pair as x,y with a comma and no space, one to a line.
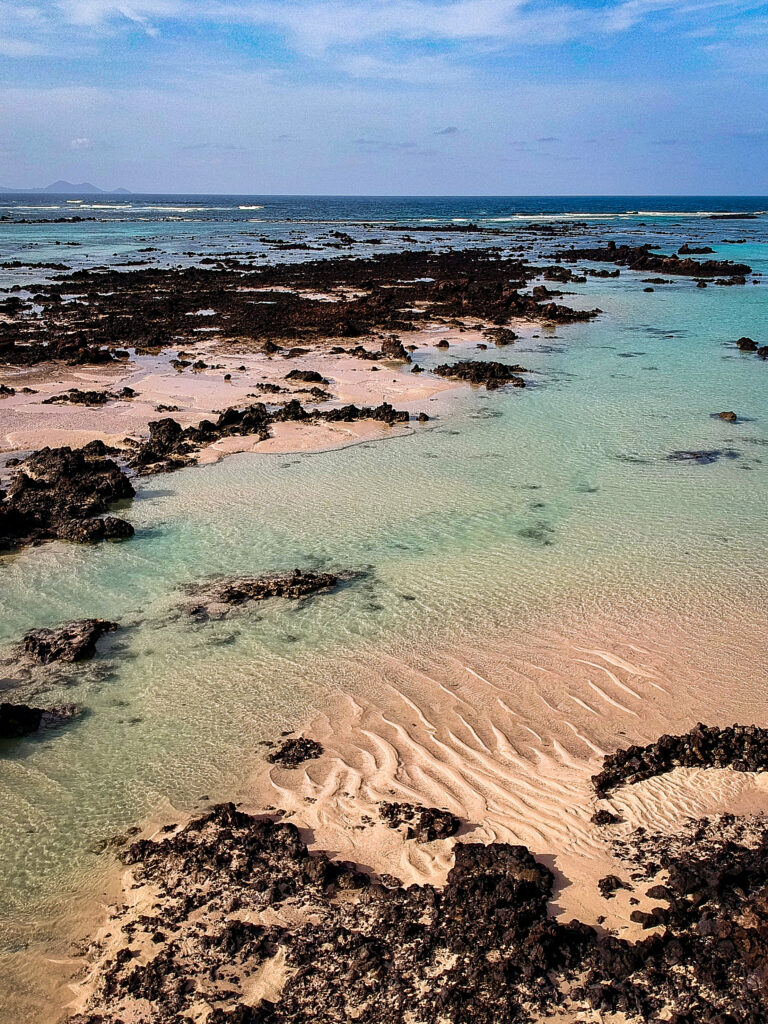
387,97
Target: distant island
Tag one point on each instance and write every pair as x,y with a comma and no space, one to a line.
61,188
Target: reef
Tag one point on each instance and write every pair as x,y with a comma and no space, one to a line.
640,257
213,599
268,307
744,748
492,374
63,493
75,641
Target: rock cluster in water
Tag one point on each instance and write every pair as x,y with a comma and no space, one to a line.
75,641
640,257
213,598
63,493
490,373
744,748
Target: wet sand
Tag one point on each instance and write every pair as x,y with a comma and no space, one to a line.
26,423
506,735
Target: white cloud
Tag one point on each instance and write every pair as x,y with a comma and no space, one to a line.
81,143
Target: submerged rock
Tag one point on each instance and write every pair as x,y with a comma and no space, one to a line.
211,599
17,720
76,641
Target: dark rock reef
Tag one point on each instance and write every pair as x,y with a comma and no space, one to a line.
640,257
214,598
76,641
492,374
293,752
481,949
392,292
63,493
424,824
741,747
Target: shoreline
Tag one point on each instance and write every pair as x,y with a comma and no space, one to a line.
468,755
447,728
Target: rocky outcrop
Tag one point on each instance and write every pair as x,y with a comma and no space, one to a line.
742,748
492,374
423,824
482,948
293,752
215,598
640,257
17,720
76,641
393,348
171,446
59,493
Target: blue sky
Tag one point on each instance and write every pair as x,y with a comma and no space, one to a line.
387,96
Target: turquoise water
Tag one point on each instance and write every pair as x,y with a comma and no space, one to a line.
508,508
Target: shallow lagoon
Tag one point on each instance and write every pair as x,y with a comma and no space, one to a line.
508,508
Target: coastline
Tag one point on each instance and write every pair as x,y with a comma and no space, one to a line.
450,731
451,728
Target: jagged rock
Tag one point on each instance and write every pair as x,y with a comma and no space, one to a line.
491,374
609,885
424,824
393,348
501,336
209,599
294,752
743,748
729,417
309,376
76,641
57,488
603,817
747,345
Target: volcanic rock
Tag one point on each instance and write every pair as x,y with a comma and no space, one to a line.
76,641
